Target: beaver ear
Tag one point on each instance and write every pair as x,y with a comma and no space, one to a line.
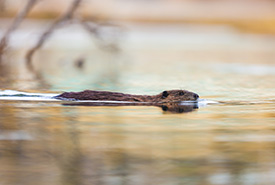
164,94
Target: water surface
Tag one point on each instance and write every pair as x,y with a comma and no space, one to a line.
231,142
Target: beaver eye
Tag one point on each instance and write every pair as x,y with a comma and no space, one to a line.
181,93
164,94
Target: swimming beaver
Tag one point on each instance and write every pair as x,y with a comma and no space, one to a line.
165,96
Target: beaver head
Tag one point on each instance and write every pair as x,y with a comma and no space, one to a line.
177,96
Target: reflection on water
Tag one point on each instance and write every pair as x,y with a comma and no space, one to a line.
224,143
135,145
167,107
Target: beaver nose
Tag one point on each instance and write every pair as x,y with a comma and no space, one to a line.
196,96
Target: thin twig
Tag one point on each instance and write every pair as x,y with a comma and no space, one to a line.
18,19
65,17
94,30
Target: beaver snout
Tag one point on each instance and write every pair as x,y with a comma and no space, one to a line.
196,96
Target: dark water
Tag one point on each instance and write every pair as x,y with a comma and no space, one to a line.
233,142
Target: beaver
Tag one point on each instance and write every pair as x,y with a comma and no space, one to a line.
164,97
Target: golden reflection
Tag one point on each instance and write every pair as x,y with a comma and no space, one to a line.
98,144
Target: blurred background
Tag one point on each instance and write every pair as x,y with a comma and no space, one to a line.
224,50
100,42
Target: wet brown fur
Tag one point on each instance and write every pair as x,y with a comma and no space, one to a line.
165,96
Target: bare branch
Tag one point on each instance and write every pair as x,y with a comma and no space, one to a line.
18,19
65,17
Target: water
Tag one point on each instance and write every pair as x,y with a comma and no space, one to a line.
228,139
